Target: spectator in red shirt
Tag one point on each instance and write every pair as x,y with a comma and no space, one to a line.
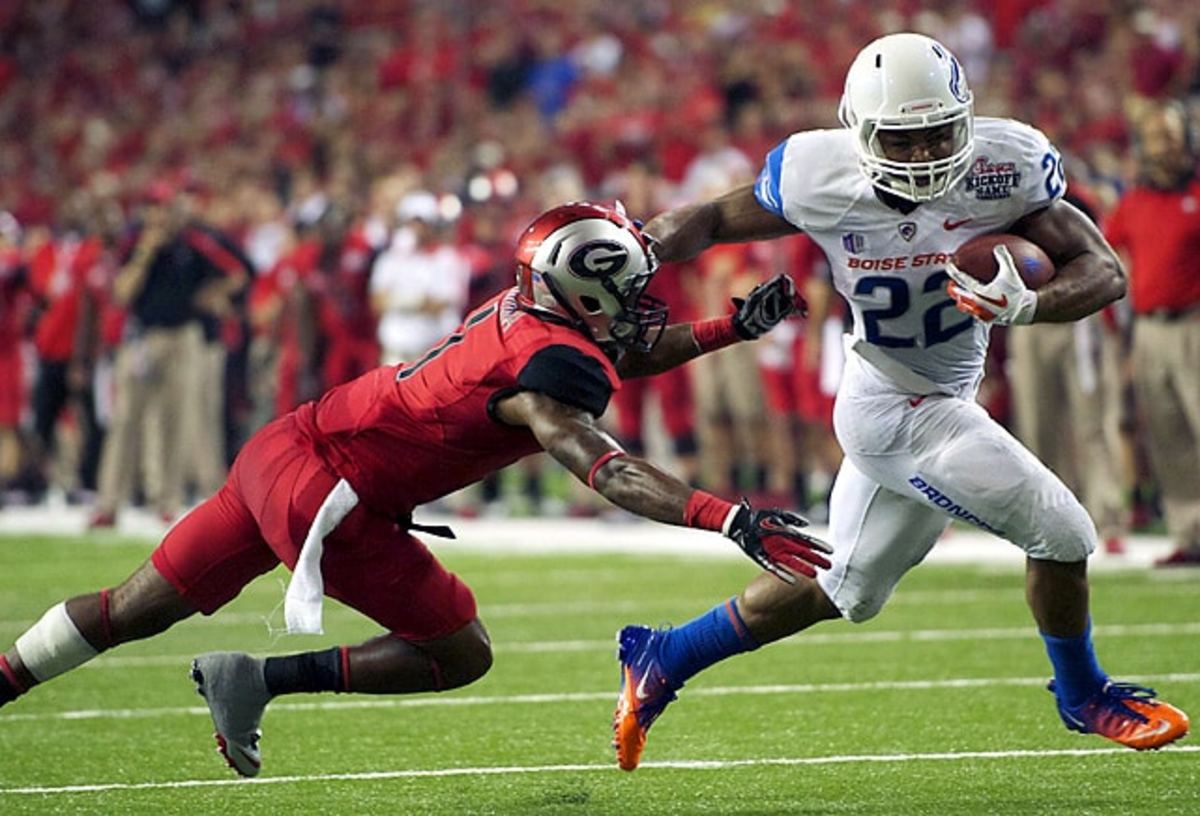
638,188
1157,223
13,304
347,323
68,279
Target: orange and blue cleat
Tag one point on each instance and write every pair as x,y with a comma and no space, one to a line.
645,693
1127,714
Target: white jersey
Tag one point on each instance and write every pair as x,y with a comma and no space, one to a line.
889,264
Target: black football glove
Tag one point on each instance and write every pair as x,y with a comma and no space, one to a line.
775,540
767,305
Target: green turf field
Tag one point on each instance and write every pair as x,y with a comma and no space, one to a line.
936,707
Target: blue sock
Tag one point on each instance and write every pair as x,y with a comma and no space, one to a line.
717,634
1077,674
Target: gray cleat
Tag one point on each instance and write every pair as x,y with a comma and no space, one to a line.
233,685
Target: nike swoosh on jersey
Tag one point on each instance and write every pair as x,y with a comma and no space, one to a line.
953,225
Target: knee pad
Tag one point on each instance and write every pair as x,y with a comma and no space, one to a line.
850,600
1064,533
861,610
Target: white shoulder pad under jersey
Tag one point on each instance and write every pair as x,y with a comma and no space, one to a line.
888,261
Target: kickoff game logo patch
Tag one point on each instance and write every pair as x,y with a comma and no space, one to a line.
990,181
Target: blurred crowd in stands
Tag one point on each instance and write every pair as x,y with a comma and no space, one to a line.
213,210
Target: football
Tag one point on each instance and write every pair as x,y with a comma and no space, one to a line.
975,259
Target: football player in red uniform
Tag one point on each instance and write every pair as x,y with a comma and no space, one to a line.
329,489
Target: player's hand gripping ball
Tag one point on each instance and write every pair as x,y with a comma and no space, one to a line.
994,278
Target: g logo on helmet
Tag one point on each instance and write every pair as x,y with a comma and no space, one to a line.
598,259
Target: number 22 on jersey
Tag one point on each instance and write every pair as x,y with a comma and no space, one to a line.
937,326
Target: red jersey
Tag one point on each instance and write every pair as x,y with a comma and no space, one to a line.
58,273
13,298
345,303
407,434
1161,231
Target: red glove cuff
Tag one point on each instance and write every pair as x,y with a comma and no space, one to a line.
706,511
715,333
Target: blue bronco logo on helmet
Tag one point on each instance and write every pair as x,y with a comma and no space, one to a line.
958,87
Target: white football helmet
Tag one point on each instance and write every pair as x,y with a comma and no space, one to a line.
588,265
908,82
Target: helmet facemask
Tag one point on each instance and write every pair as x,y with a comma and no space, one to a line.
908,82
917,180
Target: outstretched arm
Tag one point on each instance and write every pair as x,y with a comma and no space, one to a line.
761,310
772,538
734,217
572,436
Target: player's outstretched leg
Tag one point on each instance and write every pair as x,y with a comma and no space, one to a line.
1125,713
655,663
73,632
238,687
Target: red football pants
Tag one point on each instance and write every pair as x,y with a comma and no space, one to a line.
260,518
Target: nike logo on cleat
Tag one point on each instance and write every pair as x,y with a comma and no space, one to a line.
1163,727
640,691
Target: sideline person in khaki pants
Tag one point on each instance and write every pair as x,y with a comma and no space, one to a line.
175,268
1066,385
1157,222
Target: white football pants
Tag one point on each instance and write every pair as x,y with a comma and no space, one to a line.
913,463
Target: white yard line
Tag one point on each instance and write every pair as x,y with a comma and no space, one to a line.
441,701
1139,630
558,609
529,536
553,609
520,770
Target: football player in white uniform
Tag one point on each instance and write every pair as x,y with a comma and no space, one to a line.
911,176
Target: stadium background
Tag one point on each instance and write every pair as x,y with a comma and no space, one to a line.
295,127
314,134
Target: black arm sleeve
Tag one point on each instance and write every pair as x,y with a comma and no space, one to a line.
569,376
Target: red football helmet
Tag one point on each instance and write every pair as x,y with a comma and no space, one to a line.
589,265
